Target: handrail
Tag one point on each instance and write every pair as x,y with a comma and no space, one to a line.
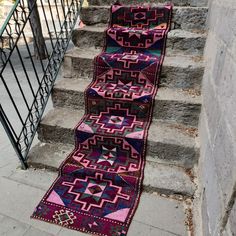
8,16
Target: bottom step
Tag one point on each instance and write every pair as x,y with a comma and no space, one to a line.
157,177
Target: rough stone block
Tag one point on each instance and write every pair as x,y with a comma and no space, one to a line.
225,161
212,109
213,196
232,220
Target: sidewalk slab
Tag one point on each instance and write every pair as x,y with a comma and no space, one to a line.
36,232
163,213
11,227
18,201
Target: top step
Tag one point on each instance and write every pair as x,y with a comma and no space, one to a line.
193,3
185,18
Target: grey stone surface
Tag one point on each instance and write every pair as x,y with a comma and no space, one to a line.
36,232
218,129
186,18
22,190
157,176
11,227
170,104
183,72
178,41
150,218
232,220
165,141
68,232
37,178
153,210
160,177
18,201
175,2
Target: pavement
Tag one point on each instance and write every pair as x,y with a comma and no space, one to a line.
21,190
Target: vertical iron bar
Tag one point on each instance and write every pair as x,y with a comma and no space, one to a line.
53,22
31,58
25,71
18,83
46,21
9,134
12,100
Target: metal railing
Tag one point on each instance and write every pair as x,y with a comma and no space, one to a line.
26,81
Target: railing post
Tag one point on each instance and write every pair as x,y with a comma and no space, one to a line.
10,136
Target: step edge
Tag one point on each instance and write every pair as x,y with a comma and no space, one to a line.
101,29
45,122
196,61
186,98
188,191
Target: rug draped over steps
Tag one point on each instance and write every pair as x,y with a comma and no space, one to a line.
99,184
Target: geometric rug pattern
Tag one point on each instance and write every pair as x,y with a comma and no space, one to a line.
99,184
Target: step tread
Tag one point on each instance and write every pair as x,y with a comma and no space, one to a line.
187,17
176,60
175,7
166,94
159,132
175,2
157,176
172,34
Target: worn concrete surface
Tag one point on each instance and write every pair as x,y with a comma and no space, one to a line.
157,177
218,126
175,2
22,190
180,71
185,18
167,142
178,41
173,105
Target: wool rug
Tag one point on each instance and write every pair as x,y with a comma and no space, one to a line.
99,184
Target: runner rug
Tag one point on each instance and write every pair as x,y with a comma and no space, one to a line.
99,184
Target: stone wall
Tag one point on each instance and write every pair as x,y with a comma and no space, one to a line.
218,122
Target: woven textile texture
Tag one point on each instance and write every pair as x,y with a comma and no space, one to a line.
99,184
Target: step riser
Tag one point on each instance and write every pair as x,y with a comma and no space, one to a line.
178,155
171,76
181,113
186,18
157,177
175,45
193,3
147,186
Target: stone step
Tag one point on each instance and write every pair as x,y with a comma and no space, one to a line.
194,3
177,71
157,177
178,41
170,104
167,143
185,18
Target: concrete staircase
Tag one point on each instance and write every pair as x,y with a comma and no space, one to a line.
172,149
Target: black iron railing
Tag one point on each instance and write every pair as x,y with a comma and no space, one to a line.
29,64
